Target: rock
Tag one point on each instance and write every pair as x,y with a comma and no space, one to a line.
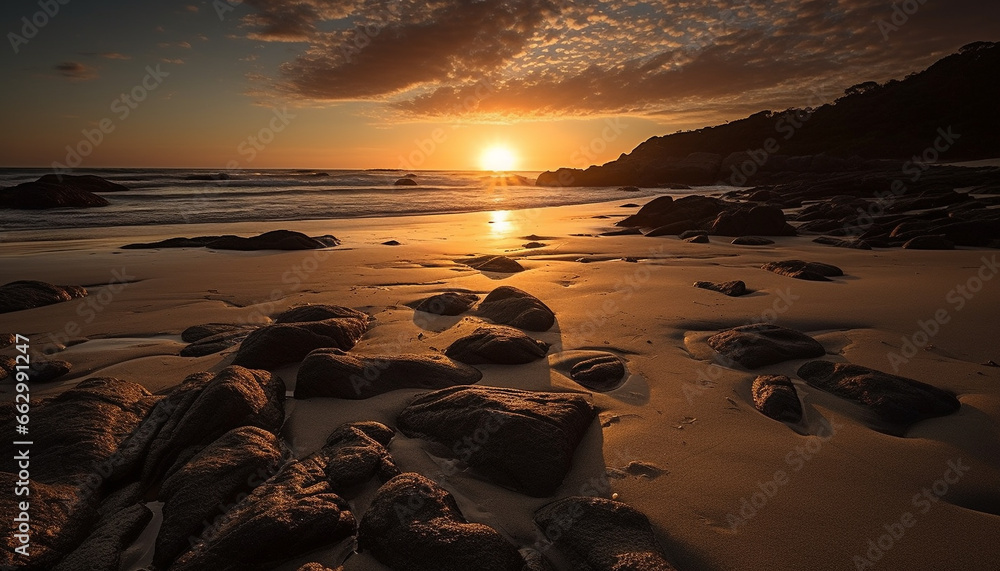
673,229
497,344
533,245
58,191
623,232
629,188
274,240
313,566
60,518
213,337
208,406
81,428
601,534
629,205
691,234
355,454
934,242
274,345
775,397
733,288
752,241
27,294
104,547
319,312
233,464
199,332
405,182
391,243
601,374
665,210
334,374
499,264
898,400
531,436
7,339
415,525
811,271
698,239
508,305
761,344
50,370
854,243
762,220
448,303
292,513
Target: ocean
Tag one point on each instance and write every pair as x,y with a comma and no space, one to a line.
191,196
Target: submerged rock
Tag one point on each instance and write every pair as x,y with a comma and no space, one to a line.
275,345
415,525
761,344
336,374
28,294
448,303
733,288
775,396
523,439
273,240
508,305
497,344
601,534
812,271
896,399
498,264
602,374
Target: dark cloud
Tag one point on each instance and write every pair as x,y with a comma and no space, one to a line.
556,58
75,71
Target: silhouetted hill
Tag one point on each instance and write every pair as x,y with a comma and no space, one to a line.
955,104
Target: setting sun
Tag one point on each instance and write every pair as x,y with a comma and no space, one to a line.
498,159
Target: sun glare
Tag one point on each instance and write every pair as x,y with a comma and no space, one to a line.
498,159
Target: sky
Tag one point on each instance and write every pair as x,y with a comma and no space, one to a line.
414,85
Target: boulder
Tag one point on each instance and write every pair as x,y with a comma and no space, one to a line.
673,229
104,547
196,493
498,264
530,436
761,344
508,305
38,371
274,345
762,220
691,234
58,191
665,210
752,241
28,294
448,303
355,454
274,240
775,397
602,534
811,271
319,312
405,182
497,344
932,242
415,525
335,374
854,243
601,374
733,288
198,332
204,342
895,399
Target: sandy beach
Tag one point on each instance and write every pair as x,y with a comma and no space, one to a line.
724,486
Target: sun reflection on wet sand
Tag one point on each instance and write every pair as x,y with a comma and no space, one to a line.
501,224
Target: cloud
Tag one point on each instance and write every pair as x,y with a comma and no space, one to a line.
75,71
114,55
549,58
182,45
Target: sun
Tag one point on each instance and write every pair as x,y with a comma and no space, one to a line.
498,159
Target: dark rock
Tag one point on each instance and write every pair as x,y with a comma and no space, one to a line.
103,548
499,264
733,288
935,242
629,205
81,428
898,400
691,234
811,271
319,312
697,239
213,337
775,396
533,245
60,518
531,435
761,344
405,182
313,566
508,305
601,534
497,344
335,374
623,232
673,229
274,345
45,371
233,464
415,525
27,294
601,374
391,243
629,188
448,303
291,514
665,210
355,454
205,408
855,243
199,332
274,240
764,220
752,241
58,191
7,339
